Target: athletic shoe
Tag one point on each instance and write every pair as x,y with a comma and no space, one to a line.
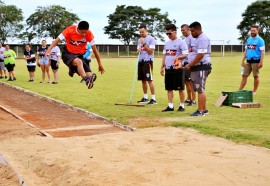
197,113
152,102
30,80
191,103
54,82
70,72
14,79
181,109
1,77
10,79
187,101
90,81
5,77
168,109
143,100
205,112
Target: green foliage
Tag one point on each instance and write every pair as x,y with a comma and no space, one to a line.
48,22
10,18
123,24
256,13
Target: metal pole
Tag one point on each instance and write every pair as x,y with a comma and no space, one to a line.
134,79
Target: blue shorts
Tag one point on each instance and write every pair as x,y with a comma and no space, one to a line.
44,61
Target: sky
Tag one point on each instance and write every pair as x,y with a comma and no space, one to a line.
219,18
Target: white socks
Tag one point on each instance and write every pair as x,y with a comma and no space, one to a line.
146,96
182,105
170,105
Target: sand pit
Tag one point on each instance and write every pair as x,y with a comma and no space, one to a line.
154,156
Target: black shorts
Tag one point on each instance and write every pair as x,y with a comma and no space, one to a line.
68,57
174,79
10,67
87,62
31,68
145,71
187,75
53,64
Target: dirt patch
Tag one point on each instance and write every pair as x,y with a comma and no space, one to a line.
7,176
47,115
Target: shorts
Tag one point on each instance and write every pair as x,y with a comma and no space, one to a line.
68,57
31,68
174,79
2,65
87,62
145,71
251,67
199,80
53,64
44,60
10,67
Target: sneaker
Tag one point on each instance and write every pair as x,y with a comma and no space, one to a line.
1,77
143,100
30,80
181,109
5,77
168,109
205,112
152,102
10,79
191,103
70,72
197,113
187,101
54,82
14,79
90,81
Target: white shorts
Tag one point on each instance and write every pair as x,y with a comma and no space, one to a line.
2,66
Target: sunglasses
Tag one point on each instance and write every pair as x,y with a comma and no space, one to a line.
168,33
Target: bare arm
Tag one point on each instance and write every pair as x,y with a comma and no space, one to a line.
262,58
100,67
197,59
54,43
162,65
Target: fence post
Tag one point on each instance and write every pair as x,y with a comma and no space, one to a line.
108,51
118,50
17,51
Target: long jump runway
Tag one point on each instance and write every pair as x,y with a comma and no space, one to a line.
54,118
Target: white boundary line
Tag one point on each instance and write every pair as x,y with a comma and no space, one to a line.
62,104
5,162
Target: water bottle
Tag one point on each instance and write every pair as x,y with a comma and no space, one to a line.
242,70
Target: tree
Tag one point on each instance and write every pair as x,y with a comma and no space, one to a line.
256,13
123,24
10,18
48,21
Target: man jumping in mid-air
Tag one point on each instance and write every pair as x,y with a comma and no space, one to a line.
72,55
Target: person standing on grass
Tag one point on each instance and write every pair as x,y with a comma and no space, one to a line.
9,60
145,48
43,61
76,37
2,64
191,95
55,61
199,63
30,57
175,50
254,56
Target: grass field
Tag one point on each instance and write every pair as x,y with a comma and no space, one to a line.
249,126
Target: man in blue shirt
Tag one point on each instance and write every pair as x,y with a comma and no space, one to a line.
254,56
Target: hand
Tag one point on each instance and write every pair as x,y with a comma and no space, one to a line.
38,63
101,69
48,53
187,67
243,64
162,72
260,65
142,40
57,64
